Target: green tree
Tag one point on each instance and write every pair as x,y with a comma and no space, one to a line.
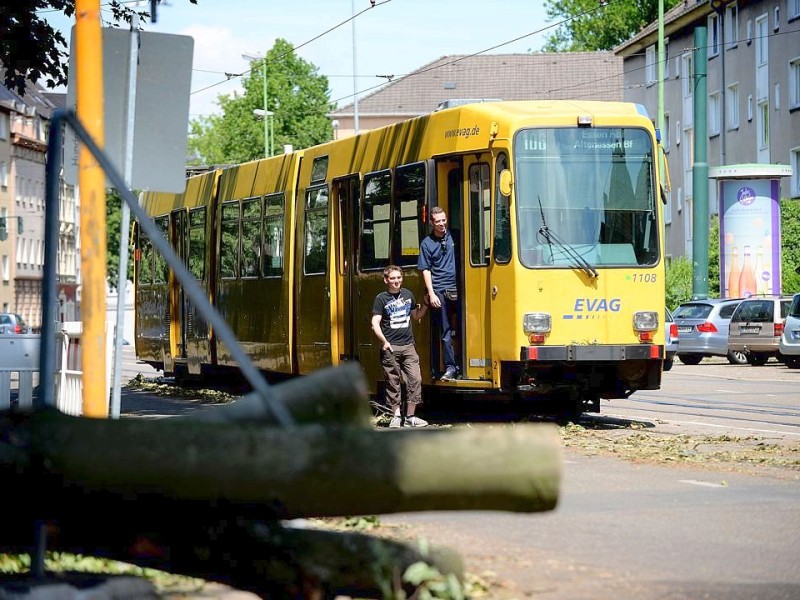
32,50
678,282
790,246
113,233
590,25
296,94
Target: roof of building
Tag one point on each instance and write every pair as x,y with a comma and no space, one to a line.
542,76
674,19
34,97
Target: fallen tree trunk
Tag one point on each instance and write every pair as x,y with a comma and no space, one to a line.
308,470
331,395
266,558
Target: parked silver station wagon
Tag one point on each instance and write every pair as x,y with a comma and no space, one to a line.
756,327
703,330
789,344
12,323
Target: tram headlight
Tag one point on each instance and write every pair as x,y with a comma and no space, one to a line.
537,322
646,320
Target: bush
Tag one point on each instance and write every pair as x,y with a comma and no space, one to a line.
679,282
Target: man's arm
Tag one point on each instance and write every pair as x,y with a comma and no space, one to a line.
432,297
376,329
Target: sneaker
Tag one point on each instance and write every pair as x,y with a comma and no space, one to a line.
415,421
449,375
396,422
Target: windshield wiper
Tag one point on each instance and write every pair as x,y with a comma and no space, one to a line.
577,260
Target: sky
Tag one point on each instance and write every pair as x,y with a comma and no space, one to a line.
395,37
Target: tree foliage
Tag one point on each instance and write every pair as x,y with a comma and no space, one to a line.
113,233
33,50
790,246
296,94
589,25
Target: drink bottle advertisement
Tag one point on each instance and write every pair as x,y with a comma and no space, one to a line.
750,237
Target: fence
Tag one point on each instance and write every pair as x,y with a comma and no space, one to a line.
19,368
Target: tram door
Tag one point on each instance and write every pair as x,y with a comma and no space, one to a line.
346,198
476,247
178,300
315,291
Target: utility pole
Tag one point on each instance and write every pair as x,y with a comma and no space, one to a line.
700,168
92,185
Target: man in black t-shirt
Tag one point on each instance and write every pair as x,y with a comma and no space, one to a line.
392,312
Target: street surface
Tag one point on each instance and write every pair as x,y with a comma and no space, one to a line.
627,529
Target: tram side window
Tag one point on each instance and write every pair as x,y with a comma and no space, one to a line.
375,226
197,242
502,216
145,261
316,238
479,214
162,268
229,240
251,237
409,193
272,266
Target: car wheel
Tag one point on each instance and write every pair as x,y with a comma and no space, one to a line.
737,357
793,362
690,359
757,360
668,364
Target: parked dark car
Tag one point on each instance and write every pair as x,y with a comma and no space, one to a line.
756,327
671,348
703,330
11,323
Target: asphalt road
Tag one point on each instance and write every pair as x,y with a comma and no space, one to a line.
628,530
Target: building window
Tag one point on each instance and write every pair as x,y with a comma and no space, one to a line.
3,126
668,208
794,161
731,26
794,82
777,96
732,107
713,35
714,108
3,175
688,158
665,137
678,133
6,268
750,107
666,58
776,19
763,125
793,7
688,75
650,65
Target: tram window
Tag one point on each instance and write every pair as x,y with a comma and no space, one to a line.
146,261
479,214
502,216
316,238
272,265
229,240
251,236
162,268
375,223
409,194
197,242
319,169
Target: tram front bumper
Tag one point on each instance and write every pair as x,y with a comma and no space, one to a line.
591,353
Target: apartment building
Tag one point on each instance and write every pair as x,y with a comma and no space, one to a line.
753,88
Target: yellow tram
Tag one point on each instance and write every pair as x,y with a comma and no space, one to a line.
556,208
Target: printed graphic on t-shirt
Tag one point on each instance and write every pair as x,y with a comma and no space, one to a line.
399,312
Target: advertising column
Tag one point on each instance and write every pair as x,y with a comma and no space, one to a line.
749,229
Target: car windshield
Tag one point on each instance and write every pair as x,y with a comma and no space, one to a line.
693,311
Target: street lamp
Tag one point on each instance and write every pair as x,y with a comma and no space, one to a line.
265,112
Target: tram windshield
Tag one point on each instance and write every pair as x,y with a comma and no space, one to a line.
586,197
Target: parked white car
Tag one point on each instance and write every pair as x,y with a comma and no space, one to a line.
789,344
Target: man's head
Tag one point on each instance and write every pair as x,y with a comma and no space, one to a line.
393,278
438,220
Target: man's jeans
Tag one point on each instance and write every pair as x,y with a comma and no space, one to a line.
442,329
